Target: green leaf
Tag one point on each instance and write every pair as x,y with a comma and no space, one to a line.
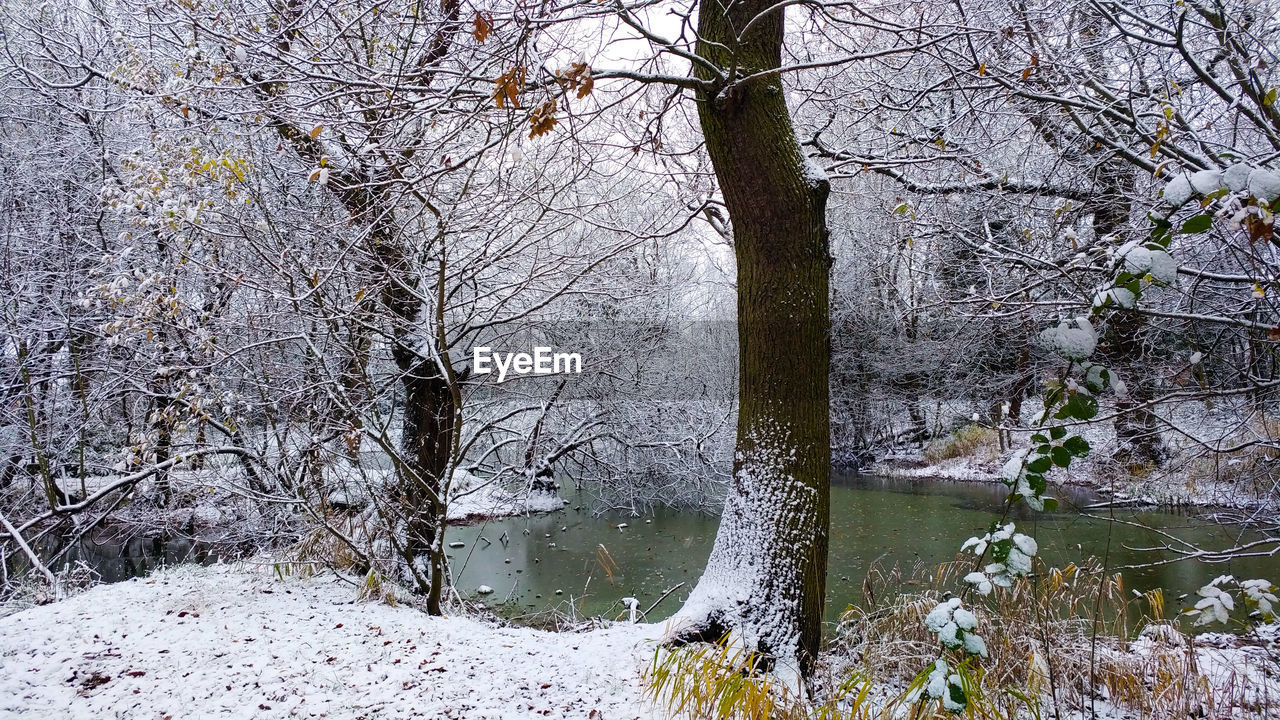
1270,98
1038,438
1050,504
1055,394
1197,224
1037,483
1000,550
1039,464
1099,381
1082,407
1076,445
1057,432
1061,457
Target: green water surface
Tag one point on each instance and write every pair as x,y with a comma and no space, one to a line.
594,564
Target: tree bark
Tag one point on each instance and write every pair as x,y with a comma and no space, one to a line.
766,576
427,438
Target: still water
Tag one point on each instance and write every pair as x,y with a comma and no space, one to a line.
593,563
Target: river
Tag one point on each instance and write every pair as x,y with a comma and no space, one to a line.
575,560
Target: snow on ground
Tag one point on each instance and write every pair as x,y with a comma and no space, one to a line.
955,469
225,642
1167,487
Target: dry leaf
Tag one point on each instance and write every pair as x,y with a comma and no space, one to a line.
509,86
483,27
577,77
543,119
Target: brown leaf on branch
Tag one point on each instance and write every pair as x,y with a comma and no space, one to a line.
577,77
1034,62
509,85
1258,229
543,119
483,26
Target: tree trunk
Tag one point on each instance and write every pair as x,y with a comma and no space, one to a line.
427,439
766,576
1137,428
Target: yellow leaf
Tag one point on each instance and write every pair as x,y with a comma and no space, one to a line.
315,131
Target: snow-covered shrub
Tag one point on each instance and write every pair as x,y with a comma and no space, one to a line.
1216,601
1011,552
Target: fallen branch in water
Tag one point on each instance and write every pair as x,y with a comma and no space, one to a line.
660,599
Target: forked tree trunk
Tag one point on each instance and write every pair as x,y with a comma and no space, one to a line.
431,405
766,576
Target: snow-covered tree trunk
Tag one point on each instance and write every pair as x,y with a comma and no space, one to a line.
766,576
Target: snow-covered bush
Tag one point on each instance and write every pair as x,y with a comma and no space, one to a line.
1216,601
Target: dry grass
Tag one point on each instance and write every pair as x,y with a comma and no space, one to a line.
718,681
1055,643
965,442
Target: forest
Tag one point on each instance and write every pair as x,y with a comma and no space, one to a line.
640,359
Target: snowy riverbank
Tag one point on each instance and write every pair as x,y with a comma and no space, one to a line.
222,642
1210,457
1171,487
